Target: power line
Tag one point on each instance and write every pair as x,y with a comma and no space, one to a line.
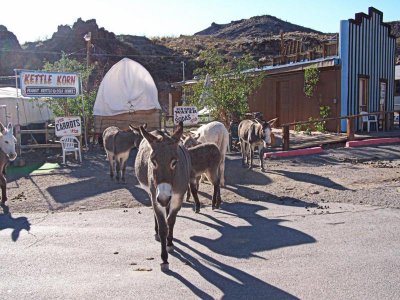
93,54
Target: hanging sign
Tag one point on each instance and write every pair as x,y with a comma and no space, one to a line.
46,84
187,114
68,126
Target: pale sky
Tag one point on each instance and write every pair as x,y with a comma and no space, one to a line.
38,20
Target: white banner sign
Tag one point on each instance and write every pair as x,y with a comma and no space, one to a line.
187,114
46,84
68,126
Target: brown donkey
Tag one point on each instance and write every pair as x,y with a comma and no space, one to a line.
163,168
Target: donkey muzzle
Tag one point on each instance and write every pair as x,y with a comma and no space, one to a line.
164,194
12,156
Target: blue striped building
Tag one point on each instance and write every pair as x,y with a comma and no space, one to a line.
367,54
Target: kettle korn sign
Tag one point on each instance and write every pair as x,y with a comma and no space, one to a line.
187,114
68,126
45,84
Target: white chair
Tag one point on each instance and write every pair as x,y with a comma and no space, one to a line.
372,119
71,144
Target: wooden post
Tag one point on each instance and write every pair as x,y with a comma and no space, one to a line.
18,137
170,104
46,135
285,138
350,130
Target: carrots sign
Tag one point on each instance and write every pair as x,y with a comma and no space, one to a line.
68,126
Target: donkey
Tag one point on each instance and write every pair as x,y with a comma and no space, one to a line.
163,167
215,132
206,158
252,134
7,154
118,144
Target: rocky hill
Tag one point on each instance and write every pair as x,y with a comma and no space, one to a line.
255,27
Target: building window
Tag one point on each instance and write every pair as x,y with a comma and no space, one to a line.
397,87
363,93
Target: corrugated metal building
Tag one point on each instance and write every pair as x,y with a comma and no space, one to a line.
368,62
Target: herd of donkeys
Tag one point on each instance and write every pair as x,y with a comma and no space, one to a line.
168,165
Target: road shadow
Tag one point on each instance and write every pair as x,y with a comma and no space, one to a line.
249,241
310,178
77,191
232,282
260,234
7,221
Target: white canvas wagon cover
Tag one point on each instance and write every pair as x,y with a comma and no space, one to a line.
126,87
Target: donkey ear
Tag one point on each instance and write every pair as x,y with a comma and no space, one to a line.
272,122
178,132
148,136
2,129
134,129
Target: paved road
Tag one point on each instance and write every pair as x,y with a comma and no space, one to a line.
248,250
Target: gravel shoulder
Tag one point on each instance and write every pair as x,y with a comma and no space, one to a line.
367,175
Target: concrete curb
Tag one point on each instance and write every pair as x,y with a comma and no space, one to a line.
369,142
298,152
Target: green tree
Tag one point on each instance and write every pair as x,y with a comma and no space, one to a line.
231,84
311,78
72,106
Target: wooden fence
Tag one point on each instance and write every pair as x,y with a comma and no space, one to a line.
387,124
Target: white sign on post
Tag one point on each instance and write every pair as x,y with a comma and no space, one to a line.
46,84
187,114
68,126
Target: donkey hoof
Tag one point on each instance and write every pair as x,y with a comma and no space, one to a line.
197,209
164,267
170,249
157,237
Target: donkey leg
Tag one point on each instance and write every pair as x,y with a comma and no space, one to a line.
3,184
261,151
156,236
171,223
111,161
124,170
222,172
243,150
188,194
251,156
194,187
117,169
162,232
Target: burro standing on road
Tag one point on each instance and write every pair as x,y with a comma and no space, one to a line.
252,134
118,144
163,168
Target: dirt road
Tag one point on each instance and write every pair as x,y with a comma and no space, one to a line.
368,175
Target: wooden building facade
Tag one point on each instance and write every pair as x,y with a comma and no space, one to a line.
282,92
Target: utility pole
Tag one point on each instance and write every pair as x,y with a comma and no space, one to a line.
183,80
183,70
88,39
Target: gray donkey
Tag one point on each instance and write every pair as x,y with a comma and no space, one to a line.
118,144
163,167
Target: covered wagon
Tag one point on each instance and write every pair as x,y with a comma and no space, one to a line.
127,95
